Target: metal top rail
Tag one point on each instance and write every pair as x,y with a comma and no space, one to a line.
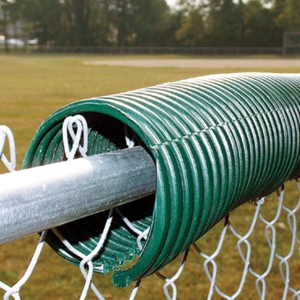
44,197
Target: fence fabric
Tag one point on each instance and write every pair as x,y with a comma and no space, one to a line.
218,142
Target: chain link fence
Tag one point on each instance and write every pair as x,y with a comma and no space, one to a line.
148,50
272,217
255,242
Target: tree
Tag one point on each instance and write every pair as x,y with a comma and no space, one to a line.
192,29
75,22
44,15
101,29
289,18
224,24
174,24
139,22
260,27
13,10
152,21
68,22
121,15
4,10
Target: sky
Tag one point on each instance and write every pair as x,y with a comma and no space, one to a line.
171,2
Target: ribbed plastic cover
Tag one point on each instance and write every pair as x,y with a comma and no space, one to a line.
218,141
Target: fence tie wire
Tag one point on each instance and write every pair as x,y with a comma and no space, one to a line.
10,163
75,131
5,132
71,123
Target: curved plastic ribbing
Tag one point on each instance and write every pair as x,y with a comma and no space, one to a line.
218,141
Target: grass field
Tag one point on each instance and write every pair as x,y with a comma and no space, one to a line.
33,87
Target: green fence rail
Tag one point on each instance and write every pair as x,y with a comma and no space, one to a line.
218,141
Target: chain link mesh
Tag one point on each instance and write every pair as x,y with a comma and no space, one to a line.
10,164
273,223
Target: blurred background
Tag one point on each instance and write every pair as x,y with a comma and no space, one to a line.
55,24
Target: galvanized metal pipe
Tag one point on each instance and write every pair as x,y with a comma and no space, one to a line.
44,197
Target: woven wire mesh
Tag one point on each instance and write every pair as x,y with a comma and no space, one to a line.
262,251
235,254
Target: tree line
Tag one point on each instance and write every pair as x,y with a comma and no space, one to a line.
200,23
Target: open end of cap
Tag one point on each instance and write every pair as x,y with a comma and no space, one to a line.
106,134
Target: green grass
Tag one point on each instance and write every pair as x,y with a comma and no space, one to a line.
34,86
